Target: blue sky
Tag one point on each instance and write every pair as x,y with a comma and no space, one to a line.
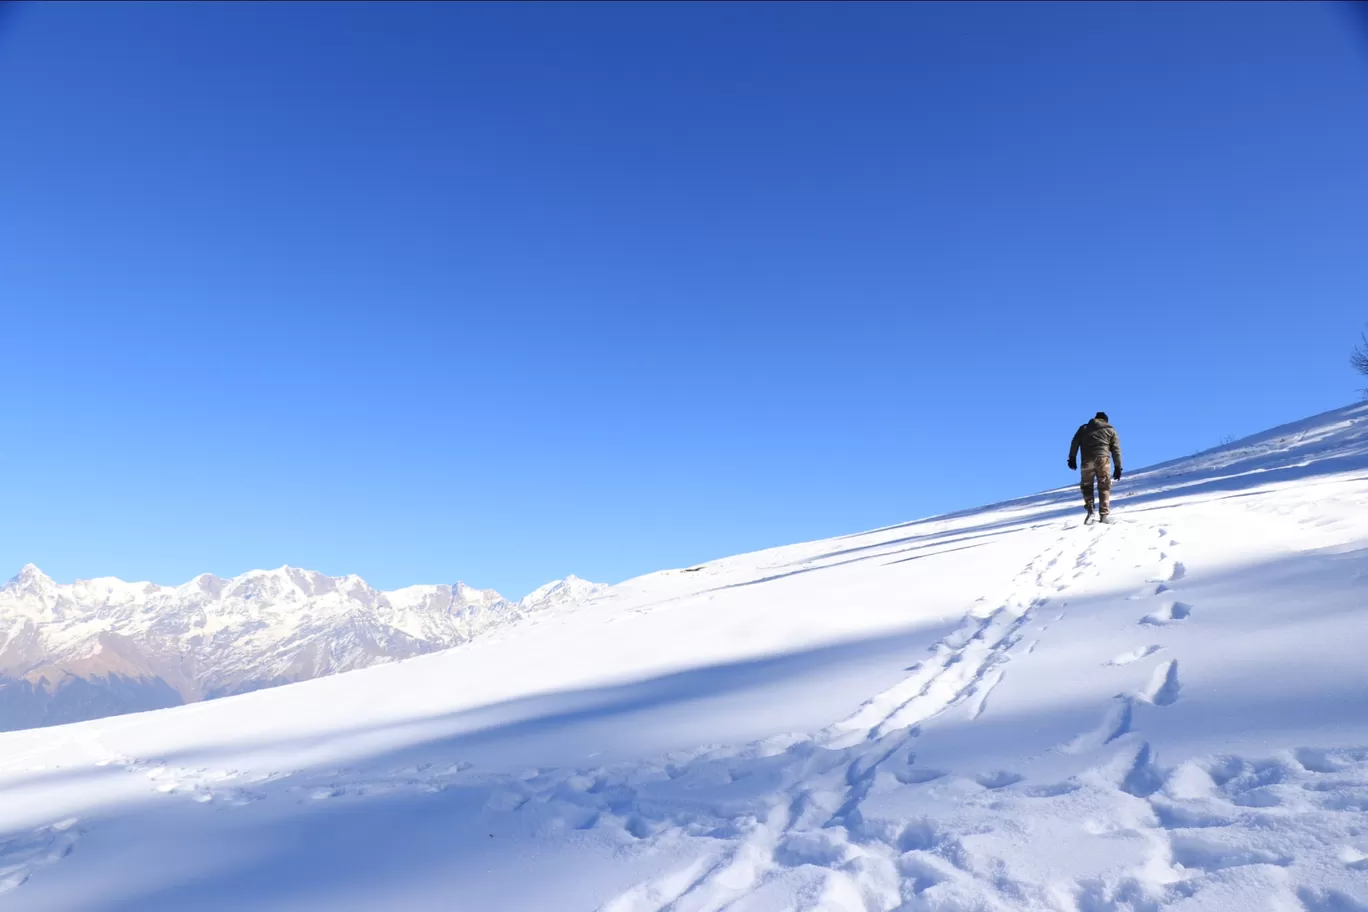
502,293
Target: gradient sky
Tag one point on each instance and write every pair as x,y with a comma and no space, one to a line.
502,293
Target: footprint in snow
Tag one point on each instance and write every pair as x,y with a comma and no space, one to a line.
918,776
1206,853
1163,687
998,780
1316,760
1315,900
1173,611
1054,790
1115,722
1135,655
21,854
1353,859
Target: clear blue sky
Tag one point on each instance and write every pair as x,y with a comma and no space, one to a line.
502,293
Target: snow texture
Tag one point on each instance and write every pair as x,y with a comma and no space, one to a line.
1001,709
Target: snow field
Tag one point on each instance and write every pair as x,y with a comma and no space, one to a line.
997,710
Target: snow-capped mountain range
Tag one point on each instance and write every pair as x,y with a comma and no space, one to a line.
104,646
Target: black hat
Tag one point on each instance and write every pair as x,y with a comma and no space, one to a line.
1103,416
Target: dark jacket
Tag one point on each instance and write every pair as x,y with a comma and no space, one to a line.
1096,438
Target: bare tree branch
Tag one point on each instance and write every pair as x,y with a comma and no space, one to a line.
1359,358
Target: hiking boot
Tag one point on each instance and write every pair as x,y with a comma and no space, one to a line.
1088,520
1104,518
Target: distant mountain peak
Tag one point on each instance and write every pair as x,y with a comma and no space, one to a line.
29,573
31,581
563,591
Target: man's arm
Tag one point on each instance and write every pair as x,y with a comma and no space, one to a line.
1115,445
1073,448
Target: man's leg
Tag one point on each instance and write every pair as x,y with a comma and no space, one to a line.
1104,482
1087,485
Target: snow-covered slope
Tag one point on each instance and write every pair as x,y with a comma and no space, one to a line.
103,646
996,710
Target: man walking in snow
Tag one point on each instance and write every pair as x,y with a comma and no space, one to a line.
1100,446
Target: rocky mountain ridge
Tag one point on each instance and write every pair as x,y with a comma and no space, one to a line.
104,646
